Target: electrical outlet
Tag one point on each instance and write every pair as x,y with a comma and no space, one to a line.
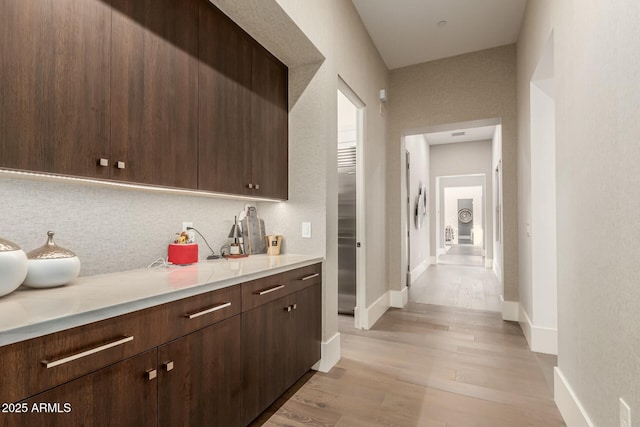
306,230
190,233
625,414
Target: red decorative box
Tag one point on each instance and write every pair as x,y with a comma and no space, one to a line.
185,253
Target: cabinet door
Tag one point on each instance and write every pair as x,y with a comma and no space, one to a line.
224,104
118,395
269,119
265,355
154,92
202,386
54,85
306,330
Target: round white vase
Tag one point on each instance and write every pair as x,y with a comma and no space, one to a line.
51,266
13,267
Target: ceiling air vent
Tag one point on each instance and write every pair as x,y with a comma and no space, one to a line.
463,133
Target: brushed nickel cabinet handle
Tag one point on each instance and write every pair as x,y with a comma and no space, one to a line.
208,310
257,187
249,185
103,162
269,290
86,353
168,366
151,374
310,276
120,165
295,306
288,308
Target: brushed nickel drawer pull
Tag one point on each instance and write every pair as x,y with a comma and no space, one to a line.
168,366
86,353
288,308
151,374
310,276
267,291
209,310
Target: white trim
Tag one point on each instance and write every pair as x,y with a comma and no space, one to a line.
496,268
540,339
398,299
375,311
441,251
488,263
330,351
510,310
434,260
570,407
417,272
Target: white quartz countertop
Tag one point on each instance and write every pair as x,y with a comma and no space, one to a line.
29,313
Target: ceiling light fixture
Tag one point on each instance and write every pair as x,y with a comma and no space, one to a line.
442,23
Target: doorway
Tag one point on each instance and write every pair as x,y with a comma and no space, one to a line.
463,222
350,200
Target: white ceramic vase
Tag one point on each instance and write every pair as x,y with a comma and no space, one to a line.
51,266
13,267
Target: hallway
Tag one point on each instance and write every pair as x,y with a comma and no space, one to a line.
426,365
460,286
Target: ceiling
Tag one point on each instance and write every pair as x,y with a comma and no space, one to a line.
407,32
451,136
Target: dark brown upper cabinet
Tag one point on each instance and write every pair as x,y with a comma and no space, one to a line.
243,121
54,85
163,92
269,126
225,104
154,92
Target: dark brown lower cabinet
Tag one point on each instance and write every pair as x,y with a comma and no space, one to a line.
266,343
199,378
306,330
118,395
281,341
195,381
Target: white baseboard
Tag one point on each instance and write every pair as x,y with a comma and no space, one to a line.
398,299
330,354
375,311
434,260
570,407
417,272
510,310
488,263
540,339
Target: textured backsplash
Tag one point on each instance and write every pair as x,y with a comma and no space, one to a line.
109,228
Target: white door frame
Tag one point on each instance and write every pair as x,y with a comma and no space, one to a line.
361,290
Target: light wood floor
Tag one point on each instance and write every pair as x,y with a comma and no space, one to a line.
426,365
458,286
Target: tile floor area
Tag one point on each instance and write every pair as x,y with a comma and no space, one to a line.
461,286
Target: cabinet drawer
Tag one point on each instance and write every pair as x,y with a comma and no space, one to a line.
305,277
190,314
35,365
267,289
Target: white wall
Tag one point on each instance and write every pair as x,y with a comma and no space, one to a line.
450,182
419,174
543,212
597,96
480,86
